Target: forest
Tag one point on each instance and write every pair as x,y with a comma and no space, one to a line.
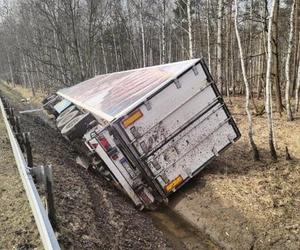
214,169
250,46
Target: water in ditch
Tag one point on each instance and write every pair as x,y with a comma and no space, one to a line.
183,235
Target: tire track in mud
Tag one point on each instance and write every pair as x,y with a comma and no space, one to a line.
100,197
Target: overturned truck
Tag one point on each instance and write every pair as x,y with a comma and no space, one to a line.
150,130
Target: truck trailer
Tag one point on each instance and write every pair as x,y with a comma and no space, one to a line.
150,130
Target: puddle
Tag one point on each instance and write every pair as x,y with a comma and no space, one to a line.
180,233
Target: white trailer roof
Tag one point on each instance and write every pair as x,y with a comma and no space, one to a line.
111,95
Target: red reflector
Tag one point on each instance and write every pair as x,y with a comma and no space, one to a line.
115,157
93,145
104,143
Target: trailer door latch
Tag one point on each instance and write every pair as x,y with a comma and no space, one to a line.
177,83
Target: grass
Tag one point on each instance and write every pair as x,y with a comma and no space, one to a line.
27,93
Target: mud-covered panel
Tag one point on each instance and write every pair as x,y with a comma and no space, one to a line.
195,159
158,134
169,110
204,138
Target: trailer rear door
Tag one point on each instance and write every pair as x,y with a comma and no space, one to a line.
180,128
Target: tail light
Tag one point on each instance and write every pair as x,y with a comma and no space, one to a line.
104,143
93,145
145,196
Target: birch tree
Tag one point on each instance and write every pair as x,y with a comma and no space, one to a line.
142,34
247,88
276,63
190,35
163,31
208,33
297,87
268,104
219,44
287,65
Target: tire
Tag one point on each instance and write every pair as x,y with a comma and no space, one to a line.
65,112
78,126
50,104
66,119
48,98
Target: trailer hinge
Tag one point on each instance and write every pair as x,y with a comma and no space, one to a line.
215,151
230,139
177,83
195,70
189,172
147,104
134,132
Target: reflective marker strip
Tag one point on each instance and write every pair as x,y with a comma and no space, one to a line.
132,118
174,183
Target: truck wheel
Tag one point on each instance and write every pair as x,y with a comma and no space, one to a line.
66,119
50,104
48,98
65,112
78,126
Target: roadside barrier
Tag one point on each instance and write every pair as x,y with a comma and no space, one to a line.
20,144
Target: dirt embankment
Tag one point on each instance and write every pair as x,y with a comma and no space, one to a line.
17,225
91,214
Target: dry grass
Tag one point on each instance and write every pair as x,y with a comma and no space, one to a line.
267,193
27,93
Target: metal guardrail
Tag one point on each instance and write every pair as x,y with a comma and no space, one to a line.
40,215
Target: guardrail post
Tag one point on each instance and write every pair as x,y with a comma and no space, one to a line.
4,102
49,195
17,122
12,118
28,149
18,134
7,110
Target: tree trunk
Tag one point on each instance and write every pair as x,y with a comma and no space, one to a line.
297,89
104,56
276,64
296,49
58,57
250,126
10,69
142,35
188,7
115,51
268,104
287,65
277,61
219,44
163,32
208,33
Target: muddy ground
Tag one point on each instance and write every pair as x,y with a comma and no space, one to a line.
235,202
91,214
